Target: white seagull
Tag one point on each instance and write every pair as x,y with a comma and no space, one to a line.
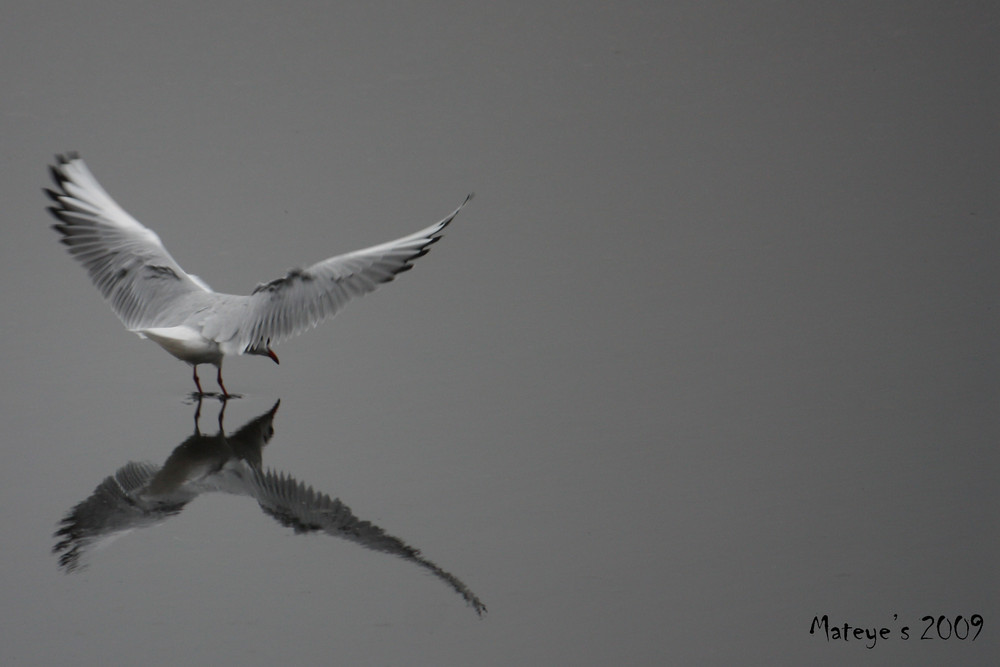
156,299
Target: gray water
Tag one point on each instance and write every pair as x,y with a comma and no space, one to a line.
711,354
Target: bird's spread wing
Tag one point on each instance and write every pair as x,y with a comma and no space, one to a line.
126,261
305,297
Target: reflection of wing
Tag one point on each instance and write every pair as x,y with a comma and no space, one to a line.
114,508
305,510
126,501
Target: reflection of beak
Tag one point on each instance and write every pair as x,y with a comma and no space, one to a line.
273,356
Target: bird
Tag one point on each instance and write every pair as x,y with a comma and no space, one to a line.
159,301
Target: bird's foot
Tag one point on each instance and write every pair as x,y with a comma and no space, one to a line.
195,396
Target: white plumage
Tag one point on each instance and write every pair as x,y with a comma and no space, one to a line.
156,299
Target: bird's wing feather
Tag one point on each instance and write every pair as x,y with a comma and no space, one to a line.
125,260
303,298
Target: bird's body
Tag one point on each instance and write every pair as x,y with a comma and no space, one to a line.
156,299
186,343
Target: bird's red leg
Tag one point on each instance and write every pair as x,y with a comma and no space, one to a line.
225,394
197,382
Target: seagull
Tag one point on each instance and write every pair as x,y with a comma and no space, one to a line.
156,299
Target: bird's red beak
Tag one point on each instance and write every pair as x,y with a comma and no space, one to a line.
273,356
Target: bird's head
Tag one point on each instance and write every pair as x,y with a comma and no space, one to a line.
264,351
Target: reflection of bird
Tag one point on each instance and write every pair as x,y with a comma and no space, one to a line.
155,298
140,495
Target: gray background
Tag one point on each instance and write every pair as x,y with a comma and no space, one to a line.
713,350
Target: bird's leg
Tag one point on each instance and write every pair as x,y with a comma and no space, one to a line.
225,394
197,382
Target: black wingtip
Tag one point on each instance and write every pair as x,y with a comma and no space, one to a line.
57,176
61,161
58,214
